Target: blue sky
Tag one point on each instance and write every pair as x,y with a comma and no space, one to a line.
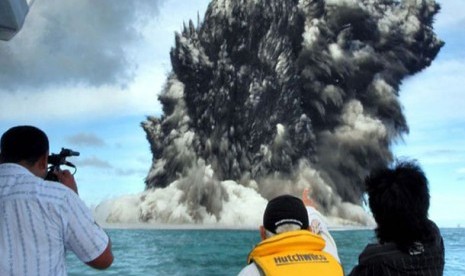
89,81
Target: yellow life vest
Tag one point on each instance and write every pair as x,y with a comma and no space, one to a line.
294,253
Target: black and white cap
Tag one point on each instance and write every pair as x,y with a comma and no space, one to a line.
285,209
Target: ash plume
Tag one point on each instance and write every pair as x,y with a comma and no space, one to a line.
279,95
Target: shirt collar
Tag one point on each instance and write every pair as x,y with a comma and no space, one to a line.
15,168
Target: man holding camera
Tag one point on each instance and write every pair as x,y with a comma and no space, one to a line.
40,219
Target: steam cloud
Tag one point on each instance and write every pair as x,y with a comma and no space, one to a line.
271,96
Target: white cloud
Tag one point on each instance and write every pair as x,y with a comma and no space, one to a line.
93,162
74,41
436,95
128,172
443,159
67,102
80,59
451,14
461,171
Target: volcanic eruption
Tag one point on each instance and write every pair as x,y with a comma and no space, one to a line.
272,96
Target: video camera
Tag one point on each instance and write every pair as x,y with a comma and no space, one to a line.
56,160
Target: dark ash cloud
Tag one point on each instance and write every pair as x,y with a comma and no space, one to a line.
271,92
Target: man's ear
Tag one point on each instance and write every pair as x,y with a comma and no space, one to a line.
42,163
262,232
40,166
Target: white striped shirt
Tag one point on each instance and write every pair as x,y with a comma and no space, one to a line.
39,221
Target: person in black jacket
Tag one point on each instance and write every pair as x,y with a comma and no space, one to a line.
408,242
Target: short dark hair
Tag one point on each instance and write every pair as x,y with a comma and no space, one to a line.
399,199
23,143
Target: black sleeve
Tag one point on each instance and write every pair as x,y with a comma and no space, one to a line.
366,270
357,270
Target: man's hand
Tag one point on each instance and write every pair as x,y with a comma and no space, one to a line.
306,198
66,178
314,224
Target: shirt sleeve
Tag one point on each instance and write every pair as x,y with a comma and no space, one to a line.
358,271
318,226
82,234
366,270
250,270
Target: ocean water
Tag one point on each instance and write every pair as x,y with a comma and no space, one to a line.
224,252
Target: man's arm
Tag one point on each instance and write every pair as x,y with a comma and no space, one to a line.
366,270
85,237
318,225
104,260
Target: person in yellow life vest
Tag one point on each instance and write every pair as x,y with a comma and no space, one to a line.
288,245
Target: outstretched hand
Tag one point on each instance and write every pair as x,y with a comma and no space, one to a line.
314,224
66,178
306,198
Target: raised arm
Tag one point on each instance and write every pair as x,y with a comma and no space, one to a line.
318,225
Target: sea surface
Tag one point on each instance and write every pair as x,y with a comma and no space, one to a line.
224,252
